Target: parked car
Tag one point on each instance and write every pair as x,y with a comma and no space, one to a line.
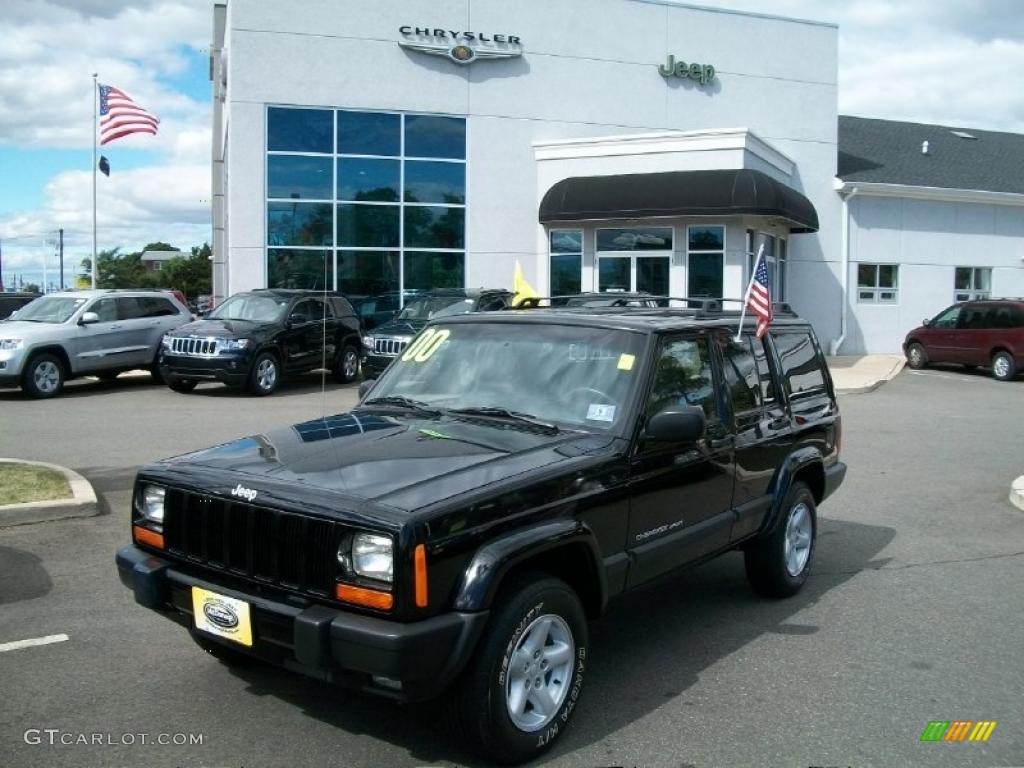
507,475
256,338
987,333
377,310
102,333
388,340
11,302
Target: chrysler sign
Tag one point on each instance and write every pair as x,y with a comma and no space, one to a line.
460,47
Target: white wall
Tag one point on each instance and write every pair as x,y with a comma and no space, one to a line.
928,239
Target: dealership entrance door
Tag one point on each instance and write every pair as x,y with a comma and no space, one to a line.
633,273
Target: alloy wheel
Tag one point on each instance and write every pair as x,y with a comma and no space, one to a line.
46,376
539,673
798,539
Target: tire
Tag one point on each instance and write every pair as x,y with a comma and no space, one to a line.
43,376
108,375
182,386
224,654
917,358
155,375
265,374
777,566
534,608
347,368
1003,366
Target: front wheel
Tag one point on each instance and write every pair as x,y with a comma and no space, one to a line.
520,689
43,376
182,386
348,365
1003,366
265,375
917,358
777,566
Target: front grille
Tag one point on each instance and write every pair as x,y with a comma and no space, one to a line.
389,347
194,347
265,545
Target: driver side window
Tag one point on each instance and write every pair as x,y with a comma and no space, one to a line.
949,318
683,377
106,309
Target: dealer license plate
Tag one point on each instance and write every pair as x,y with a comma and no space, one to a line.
222,616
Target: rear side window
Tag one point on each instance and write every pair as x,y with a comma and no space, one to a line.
342,307
152,306
741,376
801,365
973,317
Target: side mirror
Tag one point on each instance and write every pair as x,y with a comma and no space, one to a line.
677,424
365,387
927,323
296,318
88,318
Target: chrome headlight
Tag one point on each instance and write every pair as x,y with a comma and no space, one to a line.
12,343
368,342
231,345
372,556
150,503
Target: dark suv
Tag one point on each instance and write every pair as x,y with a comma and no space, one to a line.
508,475
987,332
386,341
256,338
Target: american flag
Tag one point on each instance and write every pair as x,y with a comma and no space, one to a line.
759,298
120,116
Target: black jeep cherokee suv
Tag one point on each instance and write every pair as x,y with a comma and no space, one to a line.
256,338
508,475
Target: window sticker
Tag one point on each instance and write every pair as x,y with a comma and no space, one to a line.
601,412
426,345
626,362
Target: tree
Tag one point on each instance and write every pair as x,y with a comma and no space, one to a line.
191,273
30,288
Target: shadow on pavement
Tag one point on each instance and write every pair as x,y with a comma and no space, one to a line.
652,646
22,576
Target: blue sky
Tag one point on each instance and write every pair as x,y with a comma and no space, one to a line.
934,61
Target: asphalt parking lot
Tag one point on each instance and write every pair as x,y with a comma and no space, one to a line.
913,612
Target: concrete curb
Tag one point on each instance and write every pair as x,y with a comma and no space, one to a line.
1017,493
898,366
81,504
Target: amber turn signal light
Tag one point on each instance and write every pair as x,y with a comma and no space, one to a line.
146,536
420,561
371,598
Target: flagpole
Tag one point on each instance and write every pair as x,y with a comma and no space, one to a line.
95,91
746,296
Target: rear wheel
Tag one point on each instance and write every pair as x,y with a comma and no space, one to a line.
182,386
519,691
265,374
777,566
916,356
1003,366
43,376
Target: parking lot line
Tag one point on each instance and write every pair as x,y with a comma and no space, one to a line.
32,641
937,375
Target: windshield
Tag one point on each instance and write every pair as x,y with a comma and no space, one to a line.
248,306
571,375
50,309
436,306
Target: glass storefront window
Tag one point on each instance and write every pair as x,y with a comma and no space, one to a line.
360,179
307,268
566,252
635,239
368,226
613,273
299,224
434,136
299,177
705,272
425,270
432,182
369,133
300,130
367,273
429,227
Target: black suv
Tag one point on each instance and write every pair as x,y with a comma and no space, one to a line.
256,338
386,341
508,475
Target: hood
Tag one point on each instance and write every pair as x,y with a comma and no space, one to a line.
221,328
28,330
404,463
396,327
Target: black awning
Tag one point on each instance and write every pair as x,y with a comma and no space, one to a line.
677,193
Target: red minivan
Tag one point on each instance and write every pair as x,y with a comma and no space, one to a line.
987,332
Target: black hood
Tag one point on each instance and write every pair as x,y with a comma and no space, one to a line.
222,328
401,462
396,327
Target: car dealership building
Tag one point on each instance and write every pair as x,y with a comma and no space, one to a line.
600,144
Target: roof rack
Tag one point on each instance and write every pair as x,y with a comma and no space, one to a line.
698,308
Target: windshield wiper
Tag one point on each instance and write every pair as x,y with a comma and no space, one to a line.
493,412
403,402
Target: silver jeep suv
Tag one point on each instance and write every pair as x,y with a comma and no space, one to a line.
102,333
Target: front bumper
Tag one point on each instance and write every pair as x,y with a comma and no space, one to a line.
227,369
317,640
375,365
11,363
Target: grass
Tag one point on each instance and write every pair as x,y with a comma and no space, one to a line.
25,482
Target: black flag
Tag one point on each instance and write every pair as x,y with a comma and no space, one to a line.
104,166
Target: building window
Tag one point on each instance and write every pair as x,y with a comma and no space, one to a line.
365,202
878,283
157,266
635,259
705,247
565,247
972,283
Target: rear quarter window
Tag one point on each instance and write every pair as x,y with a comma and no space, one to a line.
802,366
